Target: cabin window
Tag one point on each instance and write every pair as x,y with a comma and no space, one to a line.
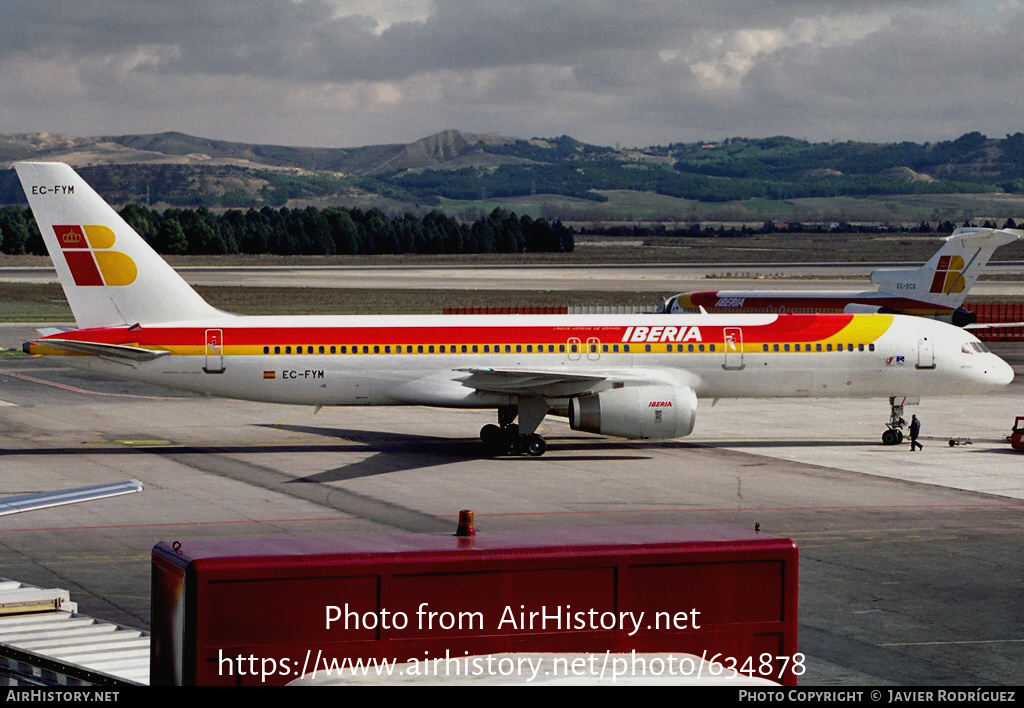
561,349
487,349
266,350
775,347
430,349
287,350
817,347
604,348
647,347
419,349
860,347
764,347
871,347
785,347
387,349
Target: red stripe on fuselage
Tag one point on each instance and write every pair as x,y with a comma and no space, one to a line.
786,328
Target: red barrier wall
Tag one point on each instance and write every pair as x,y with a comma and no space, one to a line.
230,612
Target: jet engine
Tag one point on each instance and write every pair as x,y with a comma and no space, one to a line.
653,412
963,317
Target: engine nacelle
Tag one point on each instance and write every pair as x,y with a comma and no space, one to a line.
963,317
650,412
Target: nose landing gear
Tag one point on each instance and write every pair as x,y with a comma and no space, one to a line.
893,434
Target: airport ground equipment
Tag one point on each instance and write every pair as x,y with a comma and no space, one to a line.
266,611
1017,434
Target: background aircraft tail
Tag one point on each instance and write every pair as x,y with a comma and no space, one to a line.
946,279
110,275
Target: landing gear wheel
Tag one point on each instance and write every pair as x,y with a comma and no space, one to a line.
490,435
513,445
535,445
899,436
891,437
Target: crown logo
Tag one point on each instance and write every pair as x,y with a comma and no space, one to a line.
87,250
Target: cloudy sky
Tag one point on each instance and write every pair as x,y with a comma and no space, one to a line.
629,72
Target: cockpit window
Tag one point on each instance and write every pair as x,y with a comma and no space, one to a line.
978,347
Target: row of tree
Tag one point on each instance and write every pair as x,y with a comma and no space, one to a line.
311,231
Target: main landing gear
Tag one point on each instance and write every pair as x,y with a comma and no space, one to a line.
893,434
508,438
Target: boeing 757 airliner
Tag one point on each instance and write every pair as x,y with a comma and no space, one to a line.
631,376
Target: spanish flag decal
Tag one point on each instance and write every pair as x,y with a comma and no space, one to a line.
269,374
87,252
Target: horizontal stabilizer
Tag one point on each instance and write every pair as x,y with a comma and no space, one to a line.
32,502
115,351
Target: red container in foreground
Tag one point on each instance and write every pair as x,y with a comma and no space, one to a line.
265,611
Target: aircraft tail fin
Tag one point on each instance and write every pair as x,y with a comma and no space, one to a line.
946,279
110,275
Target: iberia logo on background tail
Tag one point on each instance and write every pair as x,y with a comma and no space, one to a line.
948,275
86,250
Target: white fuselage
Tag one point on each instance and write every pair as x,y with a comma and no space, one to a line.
909,357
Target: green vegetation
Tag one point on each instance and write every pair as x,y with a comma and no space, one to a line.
732,179
312,231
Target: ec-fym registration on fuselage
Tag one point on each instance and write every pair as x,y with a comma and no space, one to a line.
631,376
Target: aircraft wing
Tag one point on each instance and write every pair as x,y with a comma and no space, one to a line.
115,351
32,502
562,383
993,325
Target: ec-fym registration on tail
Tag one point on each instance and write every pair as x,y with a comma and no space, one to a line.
630,376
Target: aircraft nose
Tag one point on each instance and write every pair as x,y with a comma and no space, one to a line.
1000,372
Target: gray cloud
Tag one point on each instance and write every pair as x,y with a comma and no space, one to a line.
348,72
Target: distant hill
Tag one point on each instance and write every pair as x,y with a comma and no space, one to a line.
460,169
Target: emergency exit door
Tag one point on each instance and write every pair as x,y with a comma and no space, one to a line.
733,348
214,352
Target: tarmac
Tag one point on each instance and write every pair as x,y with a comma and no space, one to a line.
911,570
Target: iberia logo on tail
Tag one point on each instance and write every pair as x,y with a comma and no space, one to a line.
949,275
86,251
